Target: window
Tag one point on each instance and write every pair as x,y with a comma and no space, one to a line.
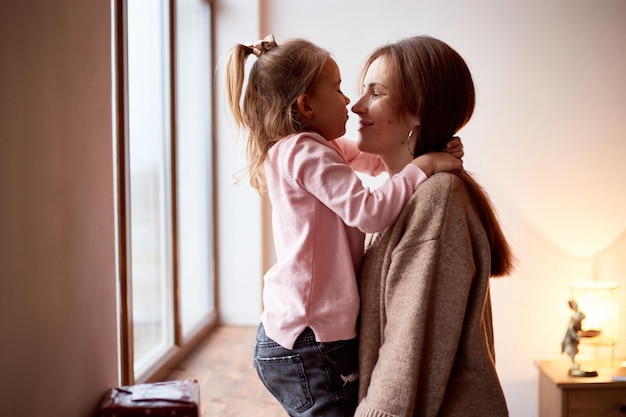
165,180
193,110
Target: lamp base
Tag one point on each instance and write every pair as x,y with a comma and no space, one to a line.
582,373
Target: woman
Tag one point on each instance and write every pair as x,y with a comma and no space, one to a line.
426,335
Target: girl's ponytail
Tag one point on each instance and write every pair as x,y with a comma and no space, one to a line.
235,74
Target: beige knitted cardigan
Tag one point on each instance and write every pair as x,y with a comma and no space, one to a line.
426,336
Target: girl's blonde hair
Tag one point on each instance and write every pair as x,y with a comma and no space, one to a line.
268,110
431,80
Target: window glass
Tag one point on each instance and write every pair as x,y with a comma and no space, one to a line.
193,153
150,173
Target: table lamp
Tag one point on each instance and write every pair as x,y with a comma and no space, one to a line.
594,320
598,300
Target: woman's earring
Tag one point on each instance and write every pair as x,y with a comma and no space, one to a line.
408,140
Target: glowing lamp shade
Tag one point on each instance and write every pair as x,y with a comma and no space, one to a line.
598,300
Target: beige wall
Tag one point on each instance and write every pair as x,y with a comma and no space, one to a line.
58,349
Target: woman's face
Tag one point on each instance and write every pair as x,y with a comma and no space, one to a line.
382,131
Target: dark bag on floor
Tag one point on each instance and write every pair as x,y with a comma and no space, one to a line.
170,398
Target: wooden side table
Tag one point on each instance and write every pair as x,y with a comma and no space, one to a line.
561,395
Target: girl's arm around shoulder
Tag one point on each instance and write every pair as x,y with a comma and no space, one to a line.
309,163
434,162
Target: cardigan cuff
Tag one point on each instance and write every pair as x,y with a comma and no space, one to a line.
365,410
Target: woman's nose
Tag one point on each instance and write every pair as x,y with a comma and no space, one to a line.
359,106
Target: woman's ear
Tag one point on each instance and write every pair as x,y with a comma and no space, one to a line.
304,106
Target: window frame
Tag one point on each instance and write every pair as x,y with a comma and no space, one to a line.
182,344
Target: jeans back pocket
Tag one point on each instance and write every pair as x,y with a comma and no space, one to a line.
285,378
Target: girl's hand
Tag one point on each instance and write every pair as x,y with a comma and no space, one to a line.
455,147
434,162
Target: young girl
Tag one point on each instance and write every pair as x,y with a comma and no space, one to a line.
294,112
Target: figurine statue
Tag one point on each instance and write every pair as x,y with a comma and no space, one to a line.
572,339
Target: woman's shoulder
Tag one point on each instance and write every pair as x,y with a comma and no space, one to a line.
441,196
443,179
439,187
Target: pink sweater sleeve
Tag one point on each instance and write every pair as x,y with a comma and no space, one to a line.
359,161
311,164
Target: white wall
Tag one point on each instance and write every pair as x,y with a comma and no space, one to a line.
546,141
240,263
58,349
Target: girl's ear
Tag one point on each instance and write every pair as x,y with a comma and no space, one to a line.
304,106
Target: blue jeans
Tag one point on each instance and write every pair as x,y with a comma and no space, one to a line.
312,380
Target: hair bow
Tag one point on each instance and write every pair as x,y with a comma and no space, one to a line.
263,45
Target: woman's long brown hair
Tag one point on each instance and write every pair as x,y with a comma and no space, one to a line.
435,84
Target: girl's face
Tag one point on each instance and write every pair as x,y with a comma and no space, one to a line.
382,131
327,103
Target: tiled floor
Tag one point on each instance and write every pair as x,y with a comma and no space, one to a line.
229,385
